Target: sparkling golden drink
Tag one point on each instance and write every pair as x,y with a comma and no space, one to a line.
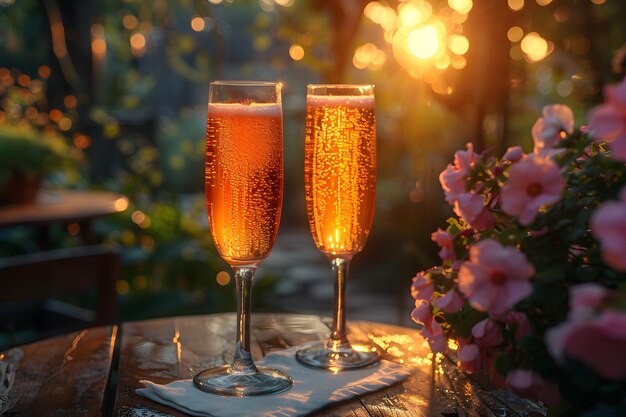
244,179
340,171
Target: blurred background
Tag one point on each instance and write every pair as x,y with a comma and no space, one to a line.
107,99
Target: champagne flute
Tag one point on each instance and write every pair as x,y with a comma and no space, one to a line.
340,185
244,192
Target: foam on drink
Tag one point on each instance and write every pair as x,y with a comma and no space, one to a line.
361,102
242,109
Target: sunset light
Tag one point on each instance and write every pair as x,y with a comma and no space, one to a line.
535,47
468,155
424,42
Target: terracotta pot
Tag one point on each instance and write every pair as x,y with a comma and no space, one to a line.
20,189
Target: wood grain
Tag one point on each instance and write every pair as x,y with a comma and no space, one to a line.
169,349
67,375
61,376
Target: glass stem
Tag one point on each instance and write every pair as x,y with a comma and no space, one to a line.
243,363
339,336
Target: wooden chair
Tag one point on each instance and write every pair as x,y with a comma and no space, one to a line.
33,287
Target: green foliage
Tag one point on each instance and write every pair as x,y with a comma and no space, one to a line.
22,28
182,146
31,144
32,153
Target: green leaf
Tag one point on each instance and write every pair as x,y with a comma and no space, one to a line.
504,364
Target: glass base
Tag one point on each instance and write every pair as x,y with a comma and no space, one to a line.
318,356
223,381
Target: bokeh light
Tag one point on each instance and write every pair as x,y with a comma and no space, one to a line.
461,6
122,287
44,71
515,34
369,56
23,80
197,24
565,88
535,47
459,62
81,141
70,101
98,42
296,52
73,229
121,204
516,5
443,62
424,42
138,43
138,216
222,278
98,47
65,124
55,115
458,44
130,22
410,14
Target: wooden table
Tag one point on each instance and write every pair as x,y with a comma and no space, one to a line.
66,376
61,376
64,206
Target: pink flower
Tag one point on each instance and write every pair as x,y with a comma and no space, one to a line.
549,130
471,207
451,302
495,277
422,313
469,358
444,240
513,154
422,287
598,342
608,120
585,299
431,329
529,384
533,182
519,321
608,225
452,178
435,337
487,333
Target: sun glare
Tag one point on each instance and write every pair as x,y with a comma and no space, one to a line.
461,6
410,14
423,42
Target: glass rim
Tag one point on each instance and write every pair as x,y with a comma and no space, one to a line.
340,85
242,83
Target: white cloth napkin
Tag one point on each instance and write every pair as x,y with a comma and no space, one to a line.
312,389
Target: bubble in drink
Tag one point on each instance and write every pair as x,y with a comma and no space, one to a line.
340,171
243,179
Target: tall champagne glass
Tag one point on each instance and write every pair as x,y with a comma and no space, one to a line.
340,185
244,192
